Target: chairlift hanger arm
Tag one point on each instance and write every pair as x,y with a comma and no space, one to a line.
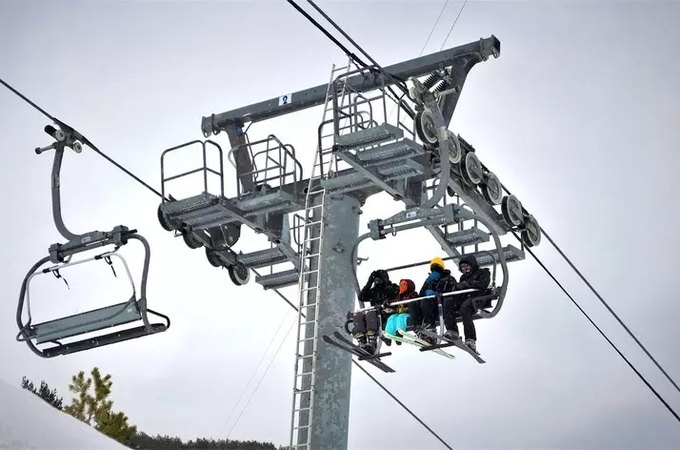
308,98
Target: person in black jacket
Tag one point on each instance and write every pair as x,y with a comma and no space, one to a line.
424,312
378,291
473,278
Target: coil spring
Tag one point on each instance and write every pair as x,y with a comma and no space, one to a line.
442,86
431,80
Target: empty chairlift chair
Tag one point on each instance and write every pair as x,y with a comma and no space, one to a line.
131,311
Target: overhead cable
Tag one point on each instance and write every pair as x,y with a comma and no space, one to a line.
394,397
644,380
433,28
606,305
377,67
80,137
611,311
453,25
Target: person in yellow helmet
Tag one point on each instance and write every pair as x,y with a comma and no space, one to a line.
424,313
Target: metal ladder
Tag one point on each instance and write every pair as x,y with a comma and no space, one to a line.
308,293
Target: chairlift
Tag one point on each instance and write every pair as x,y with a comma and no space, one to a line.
483,300
55,331
60,255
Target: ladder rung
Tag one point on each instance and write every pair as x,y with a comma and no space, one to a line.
299,428
306,408
306,322
305,356
309,271
301,391
308,289
306,339
303,374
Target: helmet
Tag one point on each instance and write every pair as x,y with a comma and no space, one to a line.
437,261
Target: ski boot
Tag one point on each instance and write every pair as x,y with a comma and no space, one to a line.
361,340
472,345
452,335
372,343
432,329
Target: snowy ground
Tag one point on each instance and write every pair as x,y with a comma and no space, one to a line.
28,423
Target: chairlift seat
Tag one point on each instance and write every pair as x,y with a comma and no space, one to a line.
86,322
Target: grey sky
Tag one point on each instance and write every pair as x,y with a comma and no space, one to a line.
578,117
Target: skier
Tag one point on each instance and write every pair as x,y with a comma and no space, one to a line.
473,277
425,311
398,316
378,290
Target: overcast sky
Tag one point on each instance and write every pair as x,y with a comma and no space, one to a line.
578,117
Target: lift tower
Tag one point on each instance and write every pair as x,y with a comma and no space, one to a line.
363,149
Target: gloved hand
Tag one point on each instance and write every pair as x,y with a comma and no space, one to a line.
430,292
462,285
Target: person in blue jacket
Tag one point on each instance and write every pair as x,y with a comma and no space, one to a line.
439,281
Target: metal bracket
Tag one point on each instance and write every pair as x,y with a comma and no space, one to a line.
118,236
415,218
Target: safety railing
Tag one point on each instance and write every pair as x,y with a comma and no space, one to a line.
274,164
204,169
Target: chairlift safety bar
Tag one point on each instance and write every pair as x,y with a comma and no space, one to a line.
426,297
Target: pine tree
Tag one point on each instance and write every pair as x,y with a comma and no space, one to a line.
80,407
44,392
93,404
115,426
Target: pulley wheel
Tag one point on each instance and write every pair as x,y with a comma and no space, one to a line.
232,232
531,235
425,127
455,153
213,259
190,239
239,274
512,210
492,189
472,169
163,221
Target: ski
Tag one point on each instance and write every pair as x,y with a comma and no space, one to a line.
448,343
414,340
357,351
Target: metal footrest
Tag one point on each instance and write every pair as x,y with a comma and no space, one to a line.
262,258
190,204
211,217
279,279
100,341
470,236
369,136
395,151
345,182
485,258
269,202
